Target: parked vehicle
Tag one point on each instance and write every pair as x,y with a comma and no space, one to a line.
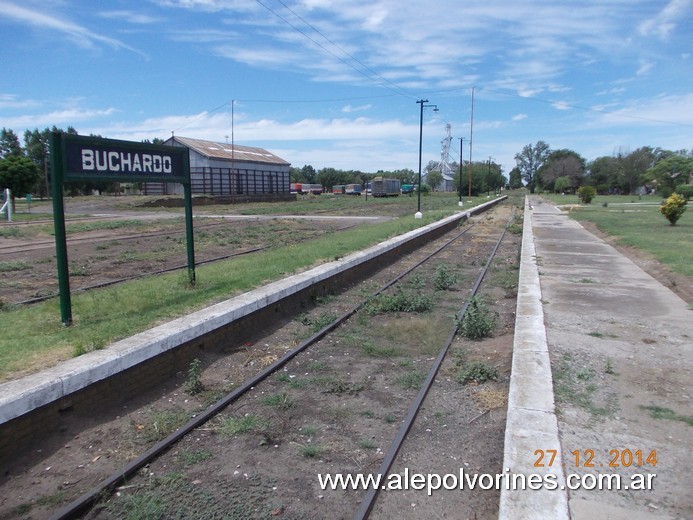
386,187
303,188
352,189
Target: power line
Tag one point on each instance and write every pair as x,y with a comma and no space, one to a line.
383,81
508,92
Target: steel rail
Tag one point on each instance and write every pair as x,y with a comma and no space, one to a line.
368,502
82,503
116,281
75,240
137,277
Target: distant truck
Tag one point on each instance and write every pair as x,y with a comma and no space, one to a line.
304,188
386,187
408,188
352,189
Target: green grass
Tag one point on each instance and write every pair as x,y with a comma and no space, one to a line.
281,401
14,265
411,380
659,412
106,315
477,371
637,222
237,425
312,450
103,316
191,457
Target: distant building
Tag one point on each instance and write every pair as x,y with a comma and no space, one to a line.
221,169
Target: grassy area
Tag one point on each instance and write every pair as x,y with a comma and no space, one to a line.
636,221
107,315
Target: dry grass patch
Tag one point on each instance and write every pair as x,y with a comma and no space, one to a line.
491,398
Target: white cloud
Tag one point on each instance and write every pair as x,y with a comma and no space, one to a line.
666,20
561,105
78,34
60,118
131,17
349,109
669,109
645,68
12,101
519,117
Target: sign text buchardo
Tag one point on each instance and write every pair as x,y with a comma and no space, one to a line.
82,158
126,161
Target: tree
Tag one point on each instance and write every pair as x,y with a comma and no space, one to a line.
603,174
562,184
330,177
494,177
37,146
19,174
432,165
530,160
633,166
406,176
479,178
434,179
562,163
515,179
9,144
308,173
669,173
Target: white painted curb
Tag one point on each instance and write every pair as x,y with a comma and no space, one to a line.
531,423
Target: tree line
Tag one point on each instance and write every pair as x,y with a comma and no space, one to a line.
625,172
485,176
26,169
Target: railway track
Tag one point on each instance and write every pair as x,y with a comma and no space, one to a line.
296,409
42,244
103,258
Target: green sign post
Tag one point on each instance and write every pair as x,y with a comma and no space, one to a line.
81,158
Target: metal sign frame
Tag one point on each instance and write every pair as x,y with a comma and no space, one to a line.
82,158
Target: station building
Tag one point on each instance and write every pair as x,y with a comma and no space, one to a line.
225,170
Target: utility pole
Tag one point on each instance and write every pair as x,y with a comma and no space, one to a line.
471,132
488,179
422,103
461,165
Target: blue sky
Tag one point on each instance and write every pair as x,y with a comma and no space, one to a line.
334,83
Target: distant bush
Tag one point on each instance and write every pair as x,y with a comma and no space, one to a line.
685,190
586,194
664,191
673,208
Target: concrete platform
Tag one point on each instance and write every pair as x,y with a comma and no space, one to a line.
19,397
598,344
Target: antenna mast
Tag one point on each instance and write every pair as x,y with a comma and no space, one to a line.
445,167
